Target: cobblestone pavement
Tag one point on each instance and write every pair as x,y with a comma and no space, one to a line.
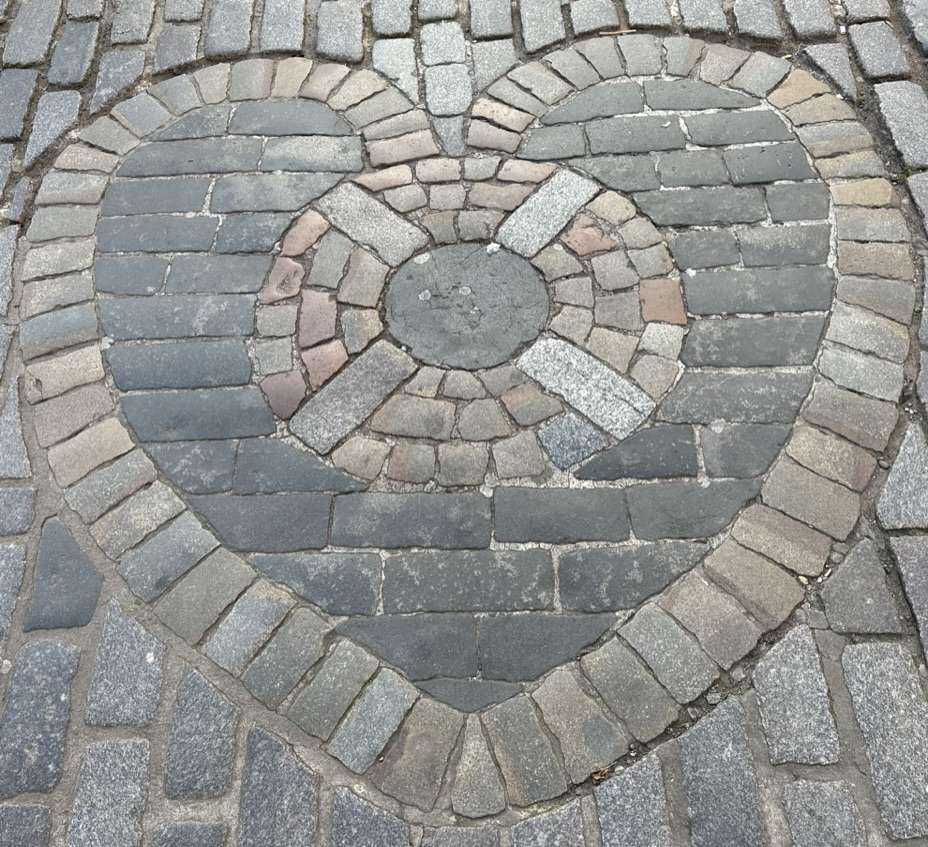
435,426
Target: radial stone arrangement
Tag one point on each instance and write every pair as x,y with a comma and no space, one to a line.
414,480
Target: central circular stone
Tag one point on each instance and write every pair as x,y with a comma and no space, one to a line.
466,306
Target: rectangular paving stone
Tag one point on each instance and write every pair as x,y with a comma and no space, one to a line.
786,541
823,504
282,26
178,316
30,33
57,258
719,129
523,752
890,708
110,796
801,202
320,705
799,289
370,222
751,398
862,373
632,807
59,418
785,245
200,755
768,164
57,330
201,413
247,626
268,523
809,17
904,108
546,213
630,690
490,19
634,134
447,521
190,834
750,342
217,274
819,811
267,192
765,590
13,559
16,90
194,604
560,516
610,401
542,23
156,233
372,720
87,450
589,738
228,32
61,187
674,656
724,631
24,825
130,522
183,364
468,581
17,510
703,206
793,699
166,556
648,12
351,396
313,153
720,781
145,196
290,653
35,717
193,156
870,333
126,686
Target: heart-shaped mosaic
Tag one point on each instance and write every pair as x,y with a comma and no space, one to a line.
474,410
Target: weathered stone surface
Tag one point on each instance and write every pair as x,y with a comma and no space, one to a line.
279,796
247,626
632,807
414,766
589,739
611,578
603,396
911,554
452,521
794,706
427,300
525,756
35,718
857,597
522,647
468,581
721,786
903,503
890,708
686,509
351,396
550,208
267,523
321,704
24,826
66,583
477,789
559,516
200,754
372,720
110,796
677,660
563,825
126,685
821,811
357,823
629,689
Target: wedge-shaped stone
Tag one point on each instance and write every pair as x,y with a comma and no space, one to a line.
632,807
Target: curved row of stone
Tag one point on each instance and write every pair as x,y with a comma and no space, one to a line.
767,592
